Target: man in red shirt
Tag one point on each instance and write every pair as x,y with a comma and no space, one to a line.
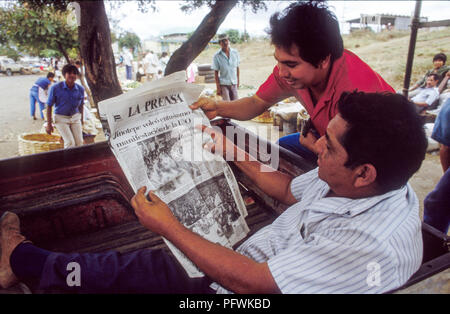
312,66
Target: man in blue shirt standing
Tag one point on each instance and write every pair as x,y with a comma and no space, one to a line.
40,88
226,70
68,98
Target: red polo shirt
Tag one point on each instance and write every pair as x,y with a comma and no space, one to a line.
348,73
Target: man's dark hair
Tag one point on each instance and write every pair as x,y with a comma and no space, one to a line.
435,76
50,75
440,56
311,27
385,131
70,68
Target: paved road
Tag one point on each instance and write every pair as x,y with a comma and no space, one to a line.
15,112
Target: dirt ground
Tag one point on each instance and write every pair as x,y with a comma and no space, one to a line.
15,119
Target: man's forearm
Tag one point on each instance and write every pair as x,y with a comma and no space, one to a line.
443,84
242,109
216,77
230,269
274,183
49,114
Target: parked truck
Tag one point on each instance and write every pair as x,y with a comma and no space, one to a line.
77,200
8,66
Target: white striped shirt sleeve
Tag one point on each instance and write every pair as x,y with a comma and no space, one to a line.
302,182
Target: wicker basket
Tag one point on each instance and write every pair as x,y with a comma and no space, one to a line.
33,143
265,117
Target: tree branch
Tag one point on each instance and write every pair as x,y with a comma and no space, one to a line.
184,55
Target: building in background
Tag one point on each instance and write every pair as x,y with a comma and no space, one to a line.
379,22
165,43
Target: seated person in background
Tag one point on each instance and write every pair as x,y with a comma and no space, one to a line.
444,88
439,68
427,95
353,211
437,203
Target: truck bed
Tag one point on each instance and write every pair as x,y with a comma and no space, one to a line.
77,200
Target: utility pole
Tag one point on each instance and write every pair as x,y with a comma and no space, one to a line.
245,24
412,45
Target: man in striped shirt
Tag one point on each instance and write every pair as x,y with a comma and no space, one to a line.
352,226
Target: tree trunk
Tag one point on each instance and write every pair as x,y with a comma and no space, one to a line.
85,85
95,48
64,52
184,55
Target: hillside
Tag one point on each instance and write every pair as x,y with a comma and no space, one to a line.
385,52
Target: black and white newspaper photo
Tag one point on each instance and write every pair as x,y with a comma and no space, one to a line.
153,136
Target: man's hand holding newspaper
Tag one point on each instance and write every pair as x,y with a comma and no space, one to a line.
152,212
153,136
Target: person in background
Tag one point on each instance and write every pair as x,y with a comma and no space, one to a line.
68,99
163,61
128,62
38,93
437,203
439,68
444,88
140,72
191,72
57,70
427,95
151,63
226,69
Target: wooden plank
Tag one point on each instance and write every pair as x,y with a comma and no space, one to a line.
441,23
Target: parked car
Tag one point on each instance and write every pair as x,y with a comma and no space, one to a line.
8,66
30,68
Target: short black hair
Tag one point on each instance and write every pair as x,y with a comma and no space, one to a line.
312,27
70,68
435,76
440,56
385,131
50,75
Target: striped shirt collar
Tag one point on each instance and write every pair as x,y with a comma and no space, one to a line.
344,206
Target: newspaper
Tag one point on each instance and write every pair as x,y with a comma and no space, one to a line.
152,134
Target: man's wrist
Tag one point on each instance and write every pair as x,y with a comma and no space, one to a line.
173,227
217,105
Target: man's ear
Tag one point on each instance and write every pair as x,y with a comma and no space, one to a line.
366,174
325,63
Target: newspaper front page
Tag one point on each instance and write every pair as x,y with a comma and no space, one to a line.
152,134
